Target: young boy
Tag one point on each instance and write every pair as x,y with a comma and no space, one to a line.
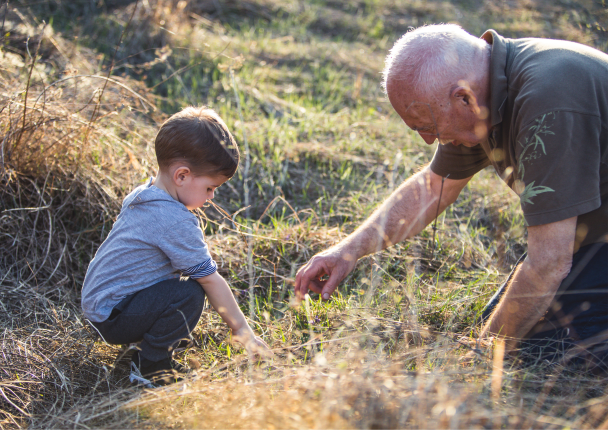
132,290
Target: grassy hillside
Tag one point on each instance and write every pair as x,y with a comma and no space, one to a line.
84,86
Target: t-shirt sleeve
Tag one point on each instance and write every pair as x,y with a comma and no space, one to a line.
558,167
184,244
459,162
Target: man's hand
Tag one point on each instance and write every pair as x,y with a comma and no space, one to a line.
335,262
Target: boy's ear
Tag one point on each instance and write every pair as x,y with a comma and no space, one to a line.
181,174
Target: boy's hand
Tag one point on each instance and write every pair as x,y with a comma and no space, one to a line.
221,298
254,345
259,348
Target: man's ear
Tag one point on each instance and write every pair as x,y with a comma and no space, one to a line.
180,174
465,96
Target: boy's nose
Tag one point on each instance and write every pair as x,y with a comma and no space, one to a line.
210,195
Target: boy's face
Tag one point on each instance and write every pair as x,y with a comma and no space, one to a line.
194,191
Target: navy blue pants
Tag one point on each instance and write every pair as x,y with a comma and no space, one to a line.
575,328
159,317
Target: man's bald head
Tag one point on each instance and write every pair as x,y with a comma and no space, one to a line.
428,61
437,80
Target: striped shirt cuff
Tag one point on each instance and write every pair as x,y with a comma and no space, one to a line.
206,268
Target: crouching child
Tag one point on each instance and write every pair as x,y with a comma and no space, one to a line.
134,289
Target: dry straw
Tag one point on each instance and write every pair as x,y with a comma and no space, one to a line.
67,154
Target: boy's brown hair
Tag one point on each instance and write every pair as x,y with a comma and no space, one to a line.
198,137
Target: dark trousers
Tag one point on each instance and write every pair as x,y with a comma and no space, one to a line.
158,316
575,328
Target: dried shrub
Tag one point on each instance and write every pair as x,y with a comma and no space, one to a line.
70,146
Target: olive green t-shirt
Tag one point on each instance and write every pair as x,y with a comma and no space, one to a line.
549,136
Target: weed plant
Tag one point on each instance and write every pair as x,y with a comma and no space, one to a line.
83,87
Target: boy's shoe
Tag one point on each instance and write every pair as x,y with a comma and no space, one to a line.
152,374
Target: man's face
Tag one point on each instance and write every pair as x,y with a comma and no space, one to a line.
450,121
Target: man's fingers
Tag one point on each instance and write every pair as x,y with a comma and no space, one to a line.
302,280
316,286
300,276
331,284
298,285
304,286
307,278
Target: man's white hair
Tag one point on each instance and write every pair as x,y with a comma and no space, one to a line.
433,57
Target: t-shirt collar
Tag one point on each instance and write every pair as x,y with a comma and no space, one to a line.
149,193
498,76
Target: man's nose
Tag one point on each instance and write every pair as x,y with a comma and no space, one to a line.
210,195
428,138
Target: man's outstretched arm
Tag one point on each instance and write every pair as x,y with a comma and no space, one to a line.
550,249
404,214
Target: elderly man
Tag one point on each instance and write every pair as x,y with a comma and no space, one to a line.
537,111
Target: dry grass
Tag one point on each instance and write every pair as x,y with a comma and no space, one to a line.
348,386
77,122
71,145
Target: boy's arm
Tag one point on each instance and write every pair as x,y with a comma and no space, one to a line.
221,298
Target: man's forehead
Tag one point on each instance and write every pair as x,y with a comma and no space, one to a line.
419,112
410,106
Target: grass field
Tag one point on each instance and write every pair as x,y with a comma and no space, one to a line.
84,86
